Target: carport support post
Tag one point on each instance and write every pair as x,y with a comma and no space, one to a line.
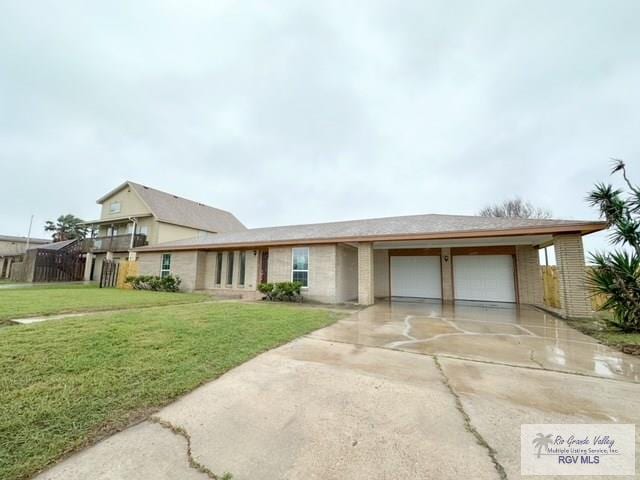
87,266
365,274
574,296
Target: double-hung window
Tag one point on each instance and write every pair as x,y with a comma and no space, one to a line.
114,207
219,268
300,266
230,256
242,268
165,268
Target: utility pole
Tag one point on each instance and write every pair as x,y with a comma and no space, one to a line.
29,234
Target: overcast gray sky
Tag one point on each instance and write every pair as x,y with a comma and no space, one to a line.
297,111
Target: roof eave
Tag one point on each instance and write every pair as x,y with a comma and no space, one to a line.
112,192
116,219
583,229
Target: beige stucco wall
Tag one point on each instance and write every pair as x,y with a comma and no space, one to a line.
322,270
381,273
346,273
167,232
130,205
15,248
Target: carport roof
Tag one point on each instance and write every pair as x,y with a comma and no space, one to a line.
431,226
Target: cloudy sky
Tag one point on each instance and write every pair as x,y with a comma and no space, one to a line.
297,111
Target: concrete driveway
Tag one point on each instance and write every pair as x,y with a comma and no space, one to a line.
406,390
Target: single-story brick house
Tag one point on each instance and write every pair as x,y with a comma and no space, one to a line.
447,257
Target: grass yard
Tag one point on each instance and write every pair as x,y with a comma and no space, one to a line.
606,333
65,384
52,299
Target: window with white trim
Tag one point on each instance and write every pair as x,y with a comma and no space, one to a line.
165,267
114,207
300,265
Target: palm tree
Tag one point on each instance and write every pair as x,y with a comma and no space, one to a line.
617,274
542,441
66,227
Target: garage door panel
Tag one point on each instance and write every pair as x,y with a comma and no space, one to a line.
416,276
484,277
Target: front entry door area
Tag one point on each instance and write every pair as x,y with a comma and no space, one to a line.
264,266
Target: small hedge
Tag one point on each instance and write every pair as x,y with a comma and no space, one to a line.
281,291
154,283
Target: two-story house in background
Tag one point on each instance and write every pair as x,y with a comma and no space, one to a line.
134,215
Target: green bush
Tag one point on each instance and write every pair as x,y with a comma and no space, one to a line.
170,283
281,291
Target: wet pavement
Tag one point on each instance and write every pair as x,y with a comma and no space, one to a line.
490,332
396,391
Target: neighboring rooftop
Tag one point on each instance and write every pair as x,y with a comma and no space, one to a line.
55,245
176,210
425,226
9,238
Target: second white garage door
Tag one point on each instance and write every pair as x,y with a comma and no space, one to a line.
416,276
484,277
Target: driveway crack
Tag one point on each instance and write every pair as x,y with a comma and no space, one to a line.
468,425
193,463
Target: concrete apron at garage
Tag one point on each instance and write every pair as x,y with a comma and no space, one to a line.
396,391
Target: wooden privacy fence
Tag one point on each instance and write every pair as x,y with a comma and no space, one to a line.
551,284
127,269
58,265
109,273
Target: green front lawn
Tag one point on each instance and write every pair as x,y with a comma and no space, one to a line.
66,383
52,299
606,333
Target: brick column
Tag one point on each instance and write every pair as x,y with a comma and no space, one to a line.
446,263
365,274
529,275
574,296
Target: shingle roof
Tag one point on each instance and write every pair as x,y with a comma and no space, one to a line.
413,225
176,210
10,238
55,245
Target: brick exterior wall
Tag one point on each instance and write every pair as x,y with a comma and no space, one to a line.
346,273
366,274
183,264
529,275
381,273
574,296
247,291
322,270
446,269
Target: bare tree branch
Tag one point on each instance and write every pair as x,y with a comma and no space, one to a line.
515,208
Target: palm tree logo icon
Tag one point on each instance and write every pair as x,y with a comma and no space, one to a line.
542,441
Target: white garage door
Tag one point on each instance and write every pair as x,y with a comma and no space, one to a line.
416,277
484,277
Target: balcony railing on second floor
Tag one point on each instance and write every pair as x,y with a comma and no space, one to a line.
114,243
